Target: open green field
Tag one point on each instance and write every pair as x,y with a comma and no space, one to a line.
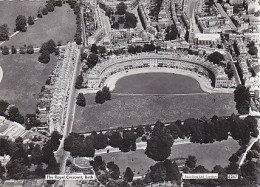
208,155
157,83
9,10
125,111
137,161
23,77
59,25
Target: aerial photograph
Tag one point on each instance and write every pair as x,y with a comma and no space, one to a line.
129,93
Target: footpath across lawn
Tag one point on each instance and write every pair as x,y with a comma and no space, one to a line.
59,25
9,10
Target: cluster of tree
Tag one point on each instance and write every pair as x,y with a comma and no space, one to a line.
171,32
81,101
121,8
242,99
77,145
10,112
252,48
146,48
215,129
155,11
91,59
98,49
160,143
4,32
78,34
216,58
163,171
79,82
109,173
20,162
47,49
31,121
103,95
108,10
229,71
125,141
49,7
23,50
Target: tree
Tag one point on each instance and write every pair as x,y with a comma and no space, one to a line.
23,50
121,20
14,115
17,169
121,8
115,25
171,32
100,141
30,49
191,162
88,148
106,93
4,32
44,57
172,171
13,50
100,97
2,170
102,50
81,101
79,82
4,147
92,60
5,51
51,46
130,20
252,48
78,40
39,13
115,139
113,170
158,172
242,99
3,107
50,7
94,49
44,11
36,156
129,175
30,20
21,23
215,57
233,158
160,143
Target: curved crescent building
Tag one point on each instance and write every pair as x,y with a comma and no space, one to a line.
96,77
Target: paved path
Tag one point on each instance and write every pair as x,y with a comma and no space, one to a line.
1,74
10,37
252,141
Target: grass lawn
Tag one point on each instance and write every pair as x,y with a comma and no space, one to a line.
157,83
9,10
23,77
207,155
59,25
124,111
